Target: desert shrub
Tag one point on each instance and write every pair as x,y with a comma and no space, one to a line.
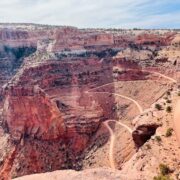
164,169
169,132
158,107
168,93
168,109
158,138
161,177
178,93
148,146
168,101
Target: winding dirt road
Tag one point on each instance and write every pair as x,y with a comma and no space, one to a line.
112,140
122,96
152,72
106,123
162,75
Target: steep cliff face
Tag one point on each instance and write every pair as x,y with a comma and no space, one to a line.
29,112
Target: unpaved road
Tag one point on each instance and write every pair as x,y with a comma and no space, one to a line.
152,72
112,140
122,96
162,75
112,136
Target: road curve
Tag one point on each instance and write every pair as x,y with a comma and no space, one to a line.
122,96
111,147
162,75
112,140
112,136
152,72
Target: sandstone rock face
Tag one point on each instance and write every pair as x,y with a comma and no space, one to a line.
143,133
154,39
30,112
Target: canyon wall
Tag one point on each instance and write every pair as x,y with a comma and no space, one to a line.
52,106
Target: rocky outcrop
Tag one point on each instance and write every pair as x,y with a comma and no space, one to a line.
143,133
155,39
29,112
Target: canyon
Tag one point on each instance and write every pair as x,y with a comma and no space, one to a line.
88,103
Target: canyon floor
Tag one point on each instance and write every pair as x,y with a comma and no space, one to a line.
89,103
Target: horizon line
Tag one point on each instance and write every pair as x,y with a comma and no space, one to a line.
98,28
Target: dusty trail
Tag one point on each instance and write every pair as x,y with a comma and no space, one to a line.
162,75
112,136
112,140
152,72
122,96
111,147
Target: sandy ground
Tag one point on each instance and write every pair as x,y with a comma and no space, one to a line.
89,174
177,120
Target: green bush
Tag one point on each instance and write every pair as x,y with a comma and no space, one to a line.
169,132
158,107
168,109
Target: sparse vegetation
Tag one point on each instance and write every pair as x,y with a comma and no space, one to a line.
169,109
148,146
158,107
168,101
161,177
178,93
158,138
164,171
169,132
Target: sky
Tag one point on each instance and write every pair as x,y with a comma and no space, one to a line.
93,13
